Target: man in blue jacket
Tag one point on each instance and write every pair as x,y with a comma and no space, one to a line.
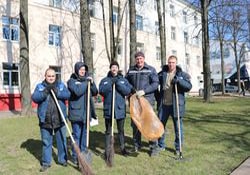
49,117
122,89
78,85
144,80
170,76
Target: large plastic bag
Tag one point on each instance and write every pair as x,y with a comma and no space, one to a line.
145,118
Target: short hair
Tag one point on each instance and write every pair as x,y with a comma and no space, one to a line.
172,56
137,54
48,69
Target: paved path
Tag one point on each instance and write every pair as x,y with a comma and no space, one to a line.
243,169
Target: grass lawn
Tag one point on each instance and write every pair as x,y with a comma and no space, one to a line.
216,140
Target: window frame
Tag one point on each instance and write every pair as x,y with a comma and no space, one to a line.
56,35
10,69
11,26
139,22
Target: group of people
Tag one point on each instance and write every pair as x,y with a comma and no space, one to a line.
141,79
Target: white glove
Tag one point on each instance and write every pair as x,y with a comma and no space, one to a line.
140,93
90,79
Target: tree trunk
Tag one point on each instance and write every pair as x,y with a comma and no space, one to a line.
222,67
205,51
86,48
132,20
24,60
161,19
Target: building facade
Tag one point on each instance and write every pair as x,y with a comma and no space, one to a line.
54,40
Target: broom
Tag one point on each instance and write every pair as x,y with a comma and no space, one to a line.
85,168
110,150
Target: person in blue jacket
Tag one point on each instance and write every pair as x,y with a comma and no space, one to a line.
49,117
169,76
122,89
77,109
144,80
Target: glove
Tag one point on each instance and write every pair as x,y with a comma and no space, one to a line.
133,90
114,80
140,93
49,87
90,79
175,80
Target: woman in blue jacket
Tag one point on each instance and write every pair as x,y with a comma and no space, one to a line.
78,84
123,88
49,117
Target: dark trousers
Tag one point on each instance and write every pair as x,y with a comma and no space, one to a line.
120,128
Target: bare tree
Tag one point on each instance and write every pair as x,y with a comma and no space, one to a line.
205,50
132,20
24,59
219,30
86,48
162,27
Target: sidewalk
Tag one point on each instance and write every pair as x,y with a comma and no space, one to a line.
243,168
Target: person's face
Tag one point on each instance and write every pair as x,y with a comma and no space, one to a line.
50,76
82,71
171,64
114,70
140,61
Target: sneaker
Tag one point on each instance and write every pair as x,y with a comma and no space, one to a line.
44,168
63,164
162,149
137,148
177,152
125,152
154,152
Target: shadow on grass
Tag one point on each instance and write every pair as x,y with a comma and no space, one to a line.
34,147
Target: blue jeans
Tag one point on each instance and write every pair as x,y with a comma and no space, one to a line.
61,143
79,130
164,113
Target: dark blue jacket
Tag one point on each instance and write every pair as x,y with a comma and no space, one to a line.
41,97
78,99
183,85
145,79
123,88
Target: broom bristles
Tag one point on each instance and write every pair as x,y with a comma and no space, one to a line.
110,153
84,166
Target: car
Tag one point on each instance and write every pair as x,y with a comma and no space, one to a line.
231,89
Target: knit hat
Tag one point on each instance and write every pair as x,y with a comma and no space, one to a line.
114,63
137,54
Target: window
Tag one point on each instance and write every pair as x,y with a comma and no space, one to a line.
157,32
92,37
186,37
119,46
140,47
173,33
187,59
10,74
10,28
91,8
172,10
139,2
195,20
198,61
139,22
184,13
158,53
115,18
54,35
58,71
196,40
174,52
56,3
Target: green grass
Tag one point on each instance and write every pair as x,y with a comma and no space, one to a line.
217,140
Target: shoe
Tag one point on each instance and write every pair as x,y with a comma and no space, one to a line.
125,152
162,149
75,162
44,168
154,152
137,148
177,152
63,164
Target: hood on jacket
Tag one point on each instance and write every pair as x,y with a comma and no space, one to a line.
78,66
